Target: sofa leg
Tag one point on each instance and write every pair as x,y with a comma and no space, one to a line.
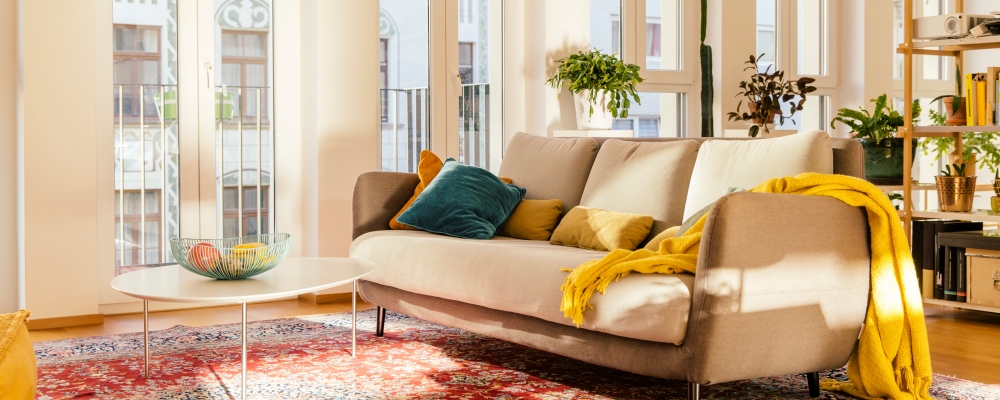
379,321
813,378
693,391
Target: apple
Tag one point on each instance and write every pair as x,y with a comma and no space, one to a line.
204,256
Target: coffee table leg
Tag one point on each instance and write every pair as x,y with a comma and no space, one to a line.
243,371
354,319
145,338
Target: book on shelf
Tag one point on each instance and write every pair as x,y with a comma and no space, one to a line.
991,94
970,115
980,80
960,276
939,259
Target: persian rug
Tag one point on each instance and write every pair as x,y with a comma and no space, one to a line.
309,358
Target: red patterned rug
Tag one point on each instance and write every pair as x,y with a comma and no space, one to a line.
309,358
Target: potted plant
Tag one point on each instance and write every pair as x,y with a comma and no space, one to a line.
979,149
955,189
601,80
955,105
765,92
876,131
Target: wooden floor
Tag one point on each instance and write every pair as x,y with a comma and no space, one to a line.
963,343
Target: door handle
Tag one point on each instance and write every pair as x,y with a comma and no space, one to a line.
208,73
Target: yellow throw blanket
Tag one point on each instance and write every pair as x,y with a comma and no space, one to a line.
892,359
10,324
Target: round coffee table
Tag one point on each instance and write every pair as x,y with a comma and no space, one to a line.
294,276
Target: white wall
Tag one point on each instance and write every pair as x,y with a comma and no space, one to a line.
60,162
8,157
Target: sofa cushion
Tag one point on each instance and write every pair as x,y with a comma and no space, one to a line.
722,164
549,168
603,230
646,178
532,220
523,276
463,201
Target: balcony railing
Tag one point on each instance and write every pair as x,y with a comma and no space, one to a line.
405,131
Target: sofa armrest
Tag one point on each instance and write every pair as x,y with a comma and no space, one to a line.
378,196
781,288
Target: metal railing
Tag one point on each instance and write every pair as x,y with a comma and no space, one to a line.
405,116
474,125
227,110
136,119
406,109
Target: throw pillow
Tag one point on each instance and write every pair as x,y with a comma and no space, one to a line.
532,220
654,243
597,229
747,163
428,168
463,201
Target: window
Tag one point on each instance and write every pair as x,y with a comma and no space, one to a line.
132,243
136,63
244,65
383,51
232,215
653,38
933,75
616,36
466,68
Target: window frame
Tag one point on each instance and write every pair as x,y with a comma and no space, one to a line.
634,39
243,61
133,88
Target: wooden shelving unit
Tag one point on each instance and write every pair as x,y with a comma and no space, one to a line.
949,48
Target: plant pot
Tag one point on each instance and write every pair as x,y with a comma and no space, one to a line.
884,160
956,118
955,193
600,119
995,204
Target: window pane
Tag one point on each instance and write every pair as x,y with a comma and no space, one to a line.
664,24
477,48
403,33
657,115
812,45
897,38
232,44
605,28
766,34
254,46
146,171
815,114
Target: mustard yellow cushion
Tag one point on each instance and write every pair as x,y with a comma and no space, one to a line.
654,243
428,167
18,374
532,220
597,229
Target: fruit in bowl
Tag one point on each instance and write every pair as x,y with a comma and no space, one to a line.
204,256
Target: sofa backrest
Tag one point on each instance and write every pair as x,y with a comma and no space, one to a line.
561,168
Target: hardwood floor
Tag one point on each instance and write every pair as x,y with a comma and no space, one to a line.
963,343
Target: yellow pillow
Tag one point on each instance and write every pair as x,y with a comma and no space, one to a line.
597,229
18,371
427,170
654,243
532,220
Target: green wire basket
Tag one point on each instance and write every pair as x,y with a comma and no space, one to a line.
231,258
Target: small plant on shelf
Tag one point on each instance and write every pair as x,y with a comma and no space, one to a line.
954,104
765,92
955,188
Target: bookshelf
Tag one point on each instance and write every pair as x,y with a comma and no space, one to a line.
951,48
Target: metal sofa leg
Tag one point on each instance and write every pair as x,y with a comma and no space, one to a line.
379,321
813,378
693,391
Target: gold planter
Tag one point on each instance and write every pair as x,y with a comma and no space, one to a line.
955,193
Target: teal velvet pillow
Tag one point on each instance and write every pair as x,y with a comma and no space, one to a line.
463,201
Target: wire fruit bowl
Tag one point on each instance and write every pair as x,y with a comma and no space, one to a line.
231,258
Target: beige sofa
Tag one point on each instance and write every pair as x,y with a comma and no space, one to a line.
782,280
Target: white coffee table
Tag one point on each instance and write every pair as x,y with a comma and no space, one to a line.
294,276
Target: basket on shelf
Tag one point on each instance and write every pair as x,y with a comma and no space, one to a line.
231,258
955,193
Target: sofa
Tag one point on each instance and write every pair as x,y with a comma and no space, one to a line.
782,280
